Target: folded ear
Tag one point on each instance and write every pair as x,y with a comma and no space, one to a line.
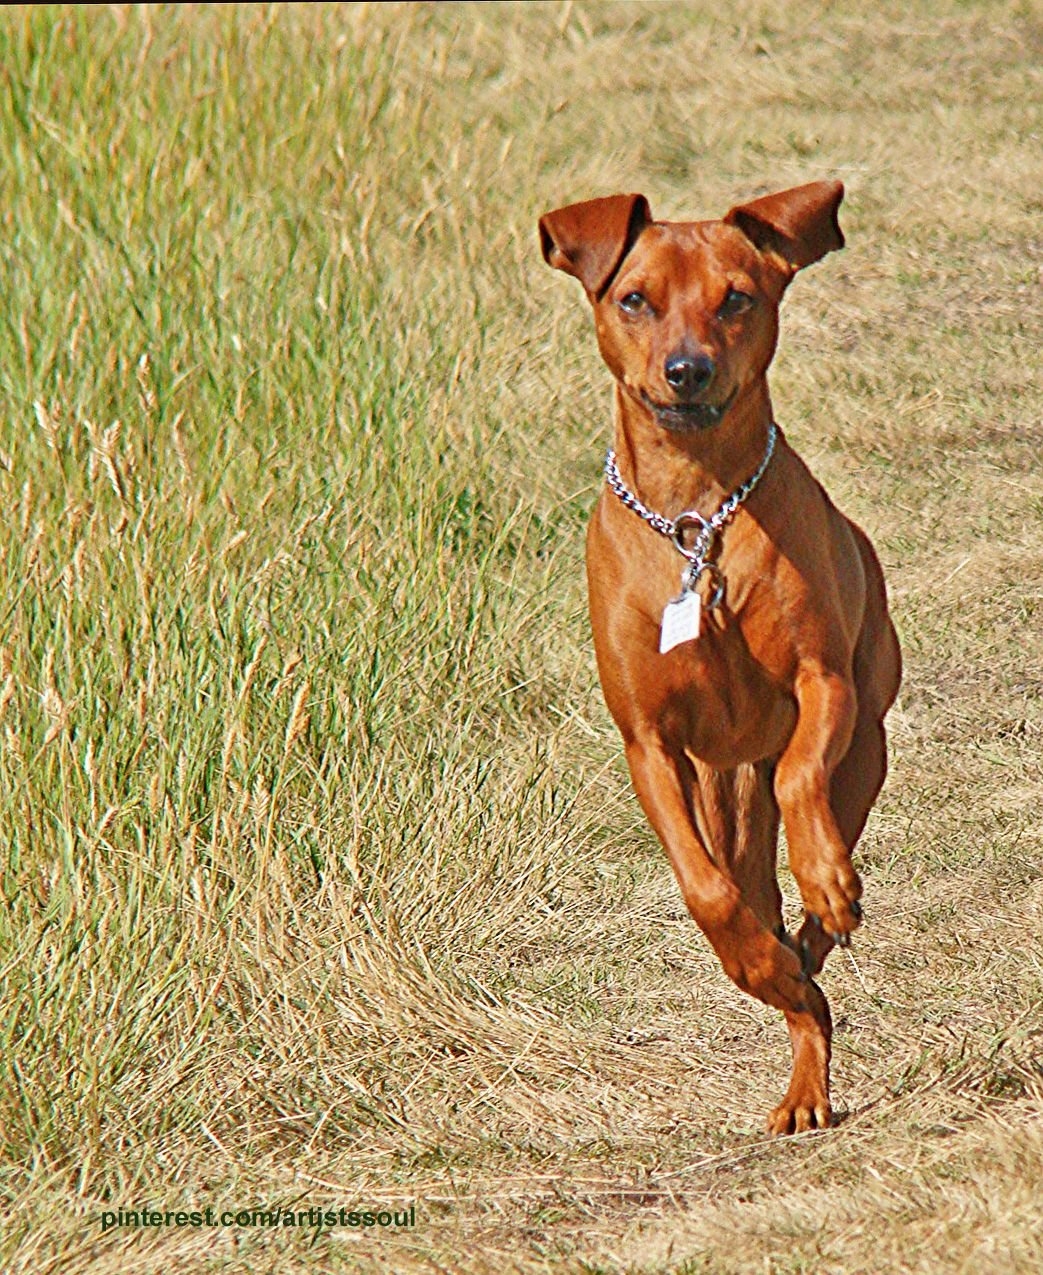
590,240
798,225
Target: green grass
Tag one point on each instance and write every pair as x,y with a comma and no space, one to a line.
323,881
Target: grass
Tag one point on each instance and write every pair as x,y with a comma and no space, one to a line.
323,882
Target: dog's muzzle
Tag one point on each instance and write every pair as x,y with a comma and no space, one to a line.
683,416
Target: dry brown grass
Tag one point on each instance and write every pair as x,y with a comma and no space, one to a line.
323,879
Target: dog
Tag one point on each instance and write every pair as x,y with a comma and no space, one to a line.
740,621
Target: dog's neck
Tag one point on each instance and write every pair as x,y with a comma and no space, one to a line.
672,470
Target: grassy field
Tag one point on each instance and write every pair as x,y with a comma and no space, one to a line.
323,883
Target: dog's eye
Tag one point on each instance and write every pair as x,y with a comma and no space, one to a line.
633,303
735,302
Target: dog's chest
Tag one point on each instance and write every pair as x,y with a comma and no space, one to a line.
713,697
709,694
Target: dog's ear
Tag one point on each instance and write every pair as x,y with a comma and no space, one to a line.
590,240
799,225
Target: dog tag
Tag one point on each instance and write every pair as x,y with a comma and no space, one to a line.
680,621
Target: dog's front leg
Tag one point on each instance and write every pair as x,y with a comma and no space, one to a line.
818,856
752,955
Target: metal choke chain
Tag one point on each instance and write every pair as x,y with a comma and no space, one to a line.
699,554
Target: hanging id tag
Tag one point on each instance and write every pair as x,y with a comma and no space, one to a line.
680,621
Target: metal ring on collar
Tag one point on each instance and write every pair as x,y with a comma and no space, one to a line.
681,524
693,574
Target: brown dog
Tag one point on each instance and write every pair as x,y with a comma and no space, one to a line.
762,686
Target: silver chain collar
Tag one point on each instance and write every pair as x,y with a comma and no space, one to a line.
698,555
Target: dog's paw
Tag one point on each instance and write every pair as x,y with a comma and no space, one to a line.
800,1113
832,912
771,970
814,943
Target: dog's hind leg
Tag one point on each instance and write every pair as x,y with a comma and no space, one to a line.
738,815
738,818
742,935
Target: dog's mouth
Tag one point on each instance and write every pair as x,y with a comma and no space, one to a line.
682,416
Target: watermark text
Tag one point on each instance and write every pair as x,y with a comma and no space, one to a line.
304,1219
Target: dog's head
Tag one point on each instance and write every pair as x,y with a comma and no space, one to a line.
687,312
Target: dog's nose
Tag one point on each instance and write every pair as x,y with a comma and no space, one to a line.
689,373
